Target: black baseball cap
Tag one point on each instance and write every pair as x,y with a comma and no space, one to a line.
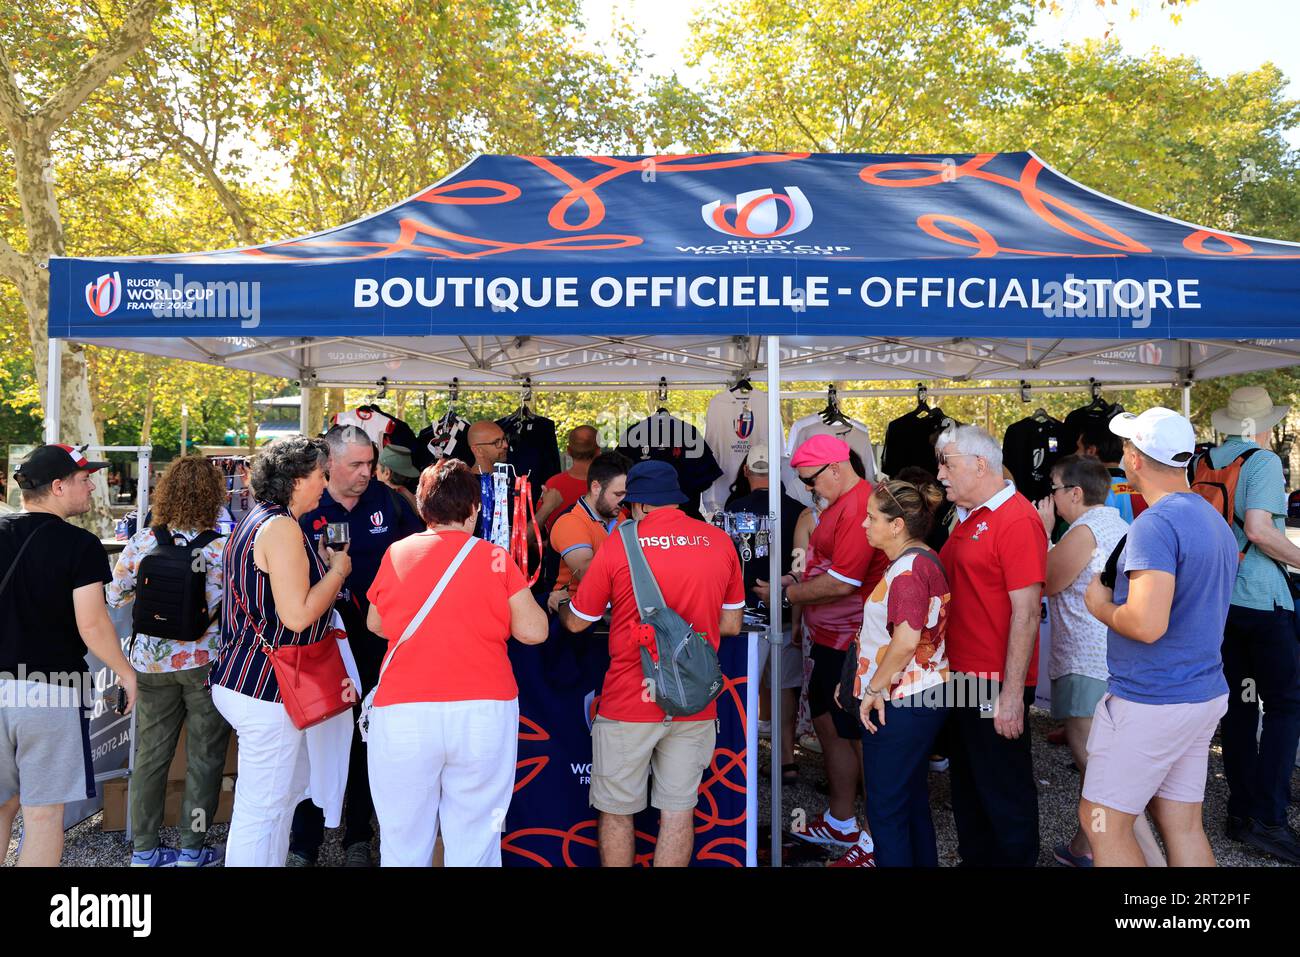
50,462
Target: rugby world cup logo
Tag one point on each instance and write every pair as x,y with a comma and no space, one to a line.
104,294
376,519
757,214
745,424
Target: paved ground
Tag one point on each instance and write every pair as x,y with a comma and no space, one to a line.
1058,801
1058,795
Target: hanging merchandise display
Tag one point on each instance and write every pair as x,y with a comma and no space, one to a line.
378,424
829,421
1030,448
664,438
909,439
525,520
499,529
534,450
448,436
736,419
1095,416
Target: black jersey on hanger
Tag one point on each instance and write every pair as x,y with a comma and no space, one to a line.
664,438
1029,450
909,440
534,450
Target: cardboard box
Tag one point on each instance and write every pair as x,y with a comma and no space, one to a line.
176,772
115,798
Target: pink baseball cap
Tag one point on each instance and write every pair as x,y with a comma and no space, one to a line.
820,450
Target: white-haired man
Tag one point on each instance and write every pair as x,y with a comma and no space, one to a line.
996,559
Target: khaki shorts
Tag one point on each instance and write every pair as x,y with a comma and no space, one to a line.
626,753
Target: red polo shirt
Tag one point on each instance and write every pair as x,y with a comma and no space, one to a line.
838,547
999,547
699,573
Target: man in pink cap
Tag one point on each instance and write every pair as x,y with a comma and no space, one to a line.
839,569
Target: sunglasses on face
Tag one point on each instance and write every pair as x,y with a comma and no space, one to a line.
811,480
943,457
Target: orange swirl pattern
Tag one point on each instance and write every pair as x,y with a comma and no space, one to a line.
727,771
580,190
1043,204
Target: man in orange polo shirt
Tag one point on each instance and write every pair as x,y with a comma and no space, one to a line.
579,532
996,559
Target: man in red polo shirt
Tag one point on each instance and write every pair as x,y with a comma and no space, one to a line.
699,574
841,568
996,559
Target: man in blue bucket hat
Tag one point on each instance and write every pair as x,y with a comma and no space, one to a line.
699,573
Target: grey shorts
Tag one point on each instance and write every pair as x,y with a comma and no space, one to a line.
625,752
791,664
1076,696
44,750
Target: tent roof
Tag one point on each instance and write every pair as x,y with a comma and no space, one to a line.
985,247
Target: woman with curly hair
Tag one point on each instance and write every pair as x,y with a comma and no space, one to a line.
172,672
281,590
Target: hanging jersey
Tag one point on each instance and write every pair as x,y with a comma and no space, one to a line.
854,434
735,423
1030,448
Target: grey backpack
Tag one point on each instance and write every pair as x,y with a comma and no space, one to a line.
680,666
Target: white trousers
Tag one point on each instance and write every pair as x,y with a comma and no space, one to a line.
273,774
445,762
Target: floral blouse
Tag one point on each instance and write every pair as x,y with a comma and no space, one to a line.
158,655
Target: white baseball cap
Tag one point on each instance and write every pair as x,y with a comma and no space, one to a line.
1162,434
758,461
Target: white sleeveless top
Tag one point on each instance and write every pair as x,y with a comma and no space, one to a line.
1078,639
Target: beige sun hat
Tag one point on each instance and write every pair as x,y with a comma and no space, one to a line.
1250,410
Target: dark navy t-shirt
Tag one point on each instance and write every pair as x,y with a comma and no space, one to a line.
380,517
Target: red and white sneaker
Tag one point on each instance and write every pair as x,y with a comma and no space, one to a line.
856,856
817,831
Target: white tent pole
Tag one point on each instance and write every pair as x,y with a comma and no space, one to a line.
1187,401
304,411
775,455
53,390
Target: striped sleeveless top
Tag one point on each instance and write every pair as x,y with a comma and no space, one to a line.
241,663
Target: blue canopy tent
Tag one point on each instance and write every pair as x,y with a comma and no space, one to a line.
595,272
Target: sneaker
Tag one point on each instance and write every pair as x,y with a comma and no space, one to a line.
201,857
819,832
1278,840
1056,735
297,860
764,729
809,742
938,763
158,857
1235,826
1068,858
856,856
358,855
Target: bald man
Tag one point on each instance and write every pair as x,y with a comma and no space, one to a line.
489,445
563,490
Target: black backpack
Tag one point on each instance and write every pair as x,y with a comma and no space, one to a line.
171,597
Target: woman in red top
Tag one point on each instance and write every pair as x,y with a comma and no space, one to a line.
444,730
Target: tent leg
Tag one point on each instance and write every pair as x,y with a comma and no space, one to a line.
304,411
53,391
1187,402
775,448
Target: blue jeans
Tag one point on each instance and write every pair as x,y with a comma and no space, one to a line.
895,763
1260,646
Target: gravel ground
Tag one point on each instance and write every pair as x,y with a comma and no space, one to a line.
1058,796
1058,801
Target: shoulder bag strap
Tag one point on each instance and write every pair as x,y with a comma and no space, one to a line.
21,548
929,553
429,602
644,586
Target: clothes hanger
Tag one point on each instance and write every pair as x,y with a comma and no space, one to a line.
832,414
923,408
663,396
743,384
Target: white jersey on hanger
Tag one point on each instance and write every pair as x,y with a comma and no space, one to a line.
736,421
854,433
374,423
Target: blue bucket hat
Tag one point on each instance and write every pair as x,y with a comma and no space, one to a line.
653,483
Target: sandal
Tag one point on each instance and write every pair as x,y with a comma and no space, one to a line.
789,774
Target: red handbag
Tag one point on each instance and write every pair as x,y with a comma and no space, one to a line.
314,684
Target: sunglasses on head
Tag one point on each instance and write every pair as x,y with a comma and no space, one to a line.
812,479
